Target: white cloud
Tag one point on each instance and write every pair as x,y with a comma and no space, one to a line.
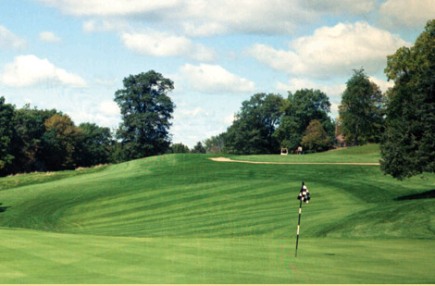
199,17
229,119
162,45
408,13
332,90
246,16
109,108
105,25
332,51
49,37
341,6
383,85
10,40
80,116
109,7
192,113
215,79
30,70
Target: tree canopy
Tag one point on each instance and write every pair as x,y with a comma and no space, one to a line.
146,112
316,138
408,144
254,126
361,110
6,132
299,110
268,122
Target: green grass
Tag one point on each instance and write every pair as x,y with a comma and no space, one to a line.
187,219
360,154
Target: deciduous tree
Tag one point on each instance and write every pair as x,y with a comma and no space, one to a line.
408,145
29,130
146,111
300,109
94,145
316,138
60,142
361,110
6,133
252,131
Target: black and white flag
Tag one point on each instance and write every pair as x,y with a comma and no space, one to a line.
304,194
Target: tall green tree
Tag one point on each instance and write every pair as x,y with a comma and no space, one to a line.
6,133
146,111
361,110
252,131
408,145
299,110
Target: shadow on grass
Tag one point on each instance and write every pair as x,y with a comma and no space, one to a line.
425,195
3,209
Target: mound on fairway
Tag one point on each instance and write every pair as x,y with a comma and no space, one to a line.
186,219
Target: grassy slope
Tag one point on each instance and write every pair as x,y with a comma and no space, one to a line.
186,219
362,154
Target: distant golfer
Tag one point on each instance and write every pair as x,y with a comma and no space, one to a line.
299,150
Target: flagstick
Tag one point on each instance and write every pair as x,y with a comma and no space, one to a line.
299,224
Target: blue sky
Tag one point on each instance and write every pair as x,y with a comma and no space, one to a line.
73,54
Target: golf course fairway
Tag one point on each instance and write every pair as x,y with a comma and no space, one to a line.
184,218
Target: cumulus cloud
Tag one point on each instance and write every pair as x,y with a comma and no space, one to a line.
407,13
294,84
214,79
28,70
332,51
105,25
341,6
109,108
162,44
49,37
110,7
10,40
200,17
383,85
192,113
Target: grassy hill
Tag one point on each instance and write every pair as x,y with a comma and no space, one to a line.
187,219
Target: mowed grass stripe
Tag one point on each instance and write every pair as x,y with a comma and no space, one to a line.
190,210
187,205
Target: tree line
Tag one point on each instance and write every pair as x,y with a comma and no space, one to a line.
33,139
402,120
268,122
